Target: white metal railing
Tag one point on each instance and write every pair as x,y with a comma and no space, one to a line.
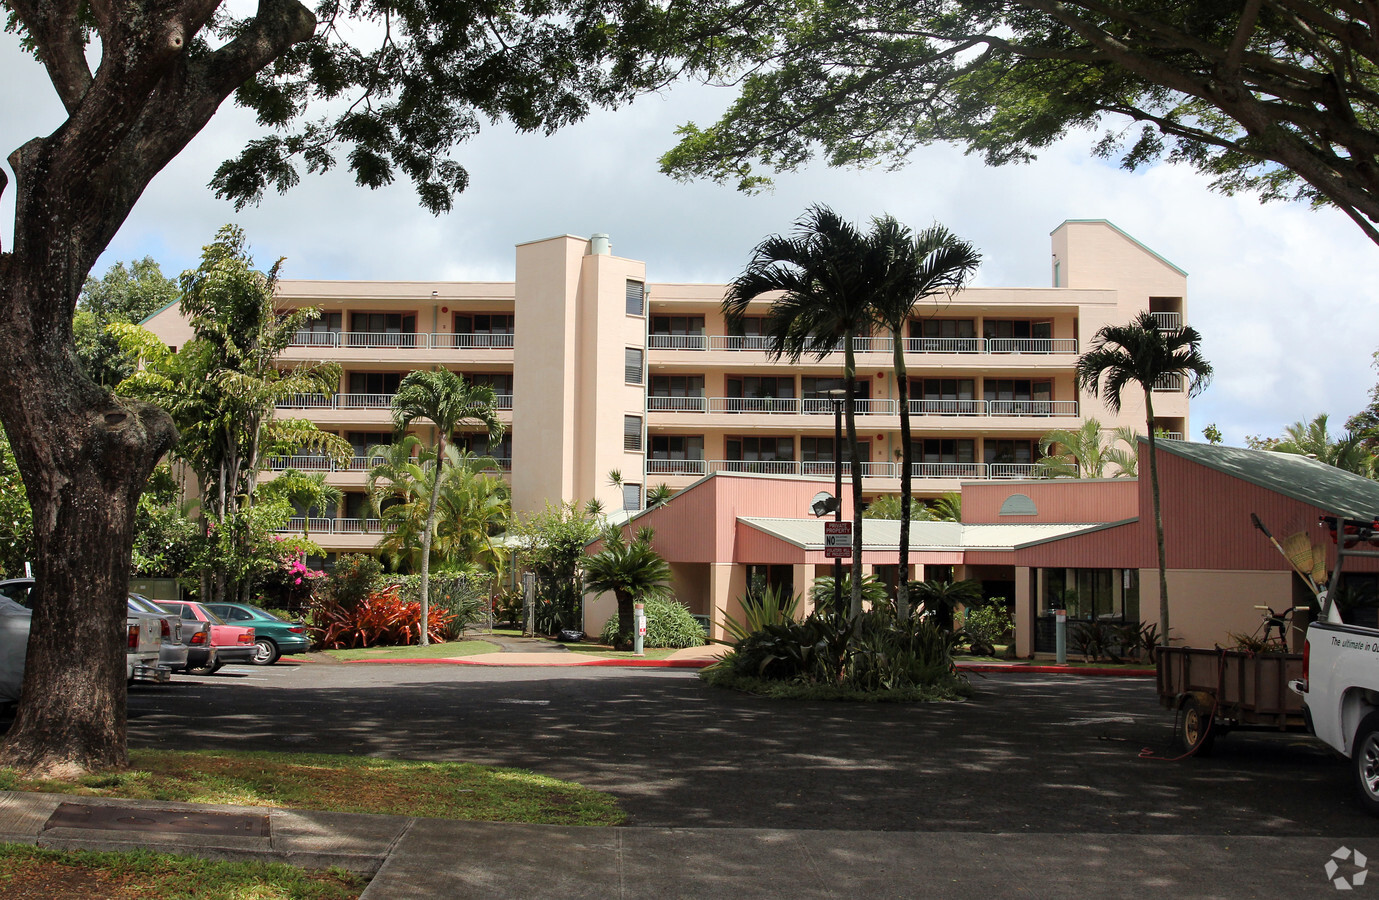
379,340
1172,435
677,404
305,462
466,340
677,467
862,406
944,345
754,405
502,401
1169,381
941,470
1168,321
383,340
1031,345
1031,407
361,463
677,342
363,401
762,344
306,401
947,407
341,525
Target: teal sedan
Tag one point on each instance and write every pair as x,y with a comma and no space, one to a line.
273,637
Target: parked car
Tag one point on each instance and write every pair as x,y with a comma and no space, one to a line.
14,646
229,643
173,656
273,637
143,633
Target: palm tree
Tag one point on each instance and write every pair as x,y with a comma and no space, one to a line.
932,263
1142,354
945,508
444,399
827,274
631,570
305,492
1345,451
1084,452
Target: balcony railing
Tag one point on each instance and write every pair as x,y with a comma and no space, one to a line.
307,463
1168,321
338,526
864,407
761,344
361,401
380,340
1168,382
931,470
677,467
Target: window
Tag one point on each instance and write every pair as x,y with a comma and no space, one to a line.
1017,389
761,449
682,325
677,446
361,441
383,323
478,444
677,385
946,450
484,323
942,336
374,382
636,298
501,382
820,449
632,433
760,578
761,386
327,322
632,366
1021,452
819,388
631,497
944,396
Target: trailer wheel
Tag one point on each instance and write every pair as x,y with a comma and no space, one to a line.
1364,761
1198,735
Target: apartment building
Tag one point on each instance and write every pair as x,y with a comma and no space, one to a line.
598,370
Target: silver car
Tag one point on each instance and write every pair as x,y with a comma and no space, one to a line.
173,656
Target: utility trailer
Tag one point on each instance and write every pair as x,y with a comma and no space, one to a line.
1219,691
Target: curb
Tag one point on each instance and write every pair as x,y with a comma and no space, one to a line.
605,663
1057,670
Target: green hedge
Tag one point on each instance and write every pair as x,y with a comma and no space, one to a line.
668,624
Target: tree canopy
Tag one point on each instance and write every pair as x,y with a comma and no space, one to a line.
1275,97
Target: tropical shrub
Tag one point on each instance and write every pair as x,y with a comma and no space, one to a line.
668,624
874,591
507,607
874,652
769,607
463,596
381,619
355,577
984,625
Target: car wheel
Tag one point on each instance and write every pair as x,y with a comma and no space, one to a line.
216,668
1198,734
200,670
1364,762
265,652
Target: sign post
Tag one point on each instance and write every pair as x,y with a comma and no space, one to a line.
638,628
837,540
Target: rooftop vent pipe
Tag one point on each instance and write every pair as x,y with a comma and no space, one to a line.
599,245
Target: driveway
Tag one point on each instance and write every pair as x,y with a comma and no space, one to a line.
1027,754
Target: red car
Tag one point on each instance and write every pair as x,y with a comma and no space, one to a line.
229,643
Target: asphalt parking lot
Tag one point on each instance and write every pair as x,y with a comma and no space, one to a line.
1028,754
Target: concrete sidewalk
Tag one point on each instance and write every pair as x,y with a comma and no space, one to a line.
411,858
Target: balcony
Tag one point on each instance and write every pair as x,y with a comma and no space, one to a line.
308,463
1168,382
1168,321
370,340
923,470
297,524
867,407
867,345
362,401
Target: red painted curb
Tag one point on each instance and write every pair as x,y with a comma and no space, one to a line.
1057,670
629,663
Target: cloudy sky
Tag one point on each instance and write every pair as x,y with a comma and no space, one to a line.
1283,295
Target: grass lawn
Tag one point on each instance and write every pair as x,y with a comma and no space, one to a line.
354,784
140,875
430,651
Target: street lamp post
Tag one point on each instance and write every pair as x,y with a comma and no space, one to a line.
835,396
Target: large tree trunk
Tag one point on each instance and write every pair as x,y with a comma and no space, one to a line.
1158,518
854,455
83,453
902,387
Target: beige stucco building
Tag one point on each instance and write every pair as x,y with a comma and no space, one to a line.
598,369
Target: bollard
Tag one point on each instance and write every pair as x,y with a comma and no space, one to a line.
638,628
1060,621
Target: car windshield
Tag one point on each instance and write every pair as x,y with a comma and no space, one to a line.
212,617
143,605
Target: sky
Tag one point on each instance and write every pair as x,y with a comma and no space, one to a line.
1282,294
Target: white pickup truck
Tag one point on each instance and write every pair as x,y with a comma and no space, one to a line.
1340,673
